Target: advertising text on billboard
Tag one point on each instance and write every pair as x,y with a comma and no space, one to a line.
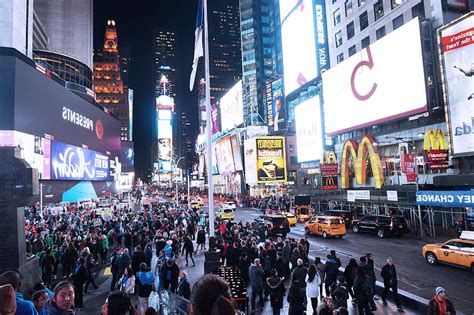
271,163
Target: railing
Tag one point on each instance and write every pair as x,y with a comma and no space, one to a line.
171,303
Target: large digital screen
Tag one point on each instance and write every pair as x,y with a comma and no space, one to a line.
215,119
164,149
232,111
73,163
382,82
309,139
250,155
225,159
164,166
236,153
298,43
37,105
127,157
278,106
457,46
271,162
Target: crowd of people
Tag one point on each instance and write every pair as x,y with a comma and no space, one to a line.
144,249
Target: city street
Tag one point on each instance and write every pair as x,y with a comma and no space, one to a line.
414,274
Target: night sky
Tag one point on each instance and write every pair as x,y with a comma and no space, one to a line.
135,22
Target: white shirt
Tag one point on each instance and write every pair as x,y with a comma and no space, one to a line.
312,288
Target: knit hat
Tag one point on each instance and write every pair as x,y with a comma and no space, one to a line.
439,290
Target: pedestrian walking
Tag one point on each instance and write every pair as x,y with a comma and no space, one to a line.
440,304
313,280
144,281
79,278
362,292
296,300
390,281
277,291
350,272
331,271
188,248
169,275
256,274
201,239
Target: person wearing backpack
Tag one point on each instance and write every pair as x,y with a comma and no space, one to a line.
362,291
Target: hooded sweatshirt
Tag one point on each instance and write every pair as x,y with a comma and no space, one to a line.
52,309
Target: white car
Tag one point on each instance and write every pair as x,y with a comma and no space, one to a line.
230,204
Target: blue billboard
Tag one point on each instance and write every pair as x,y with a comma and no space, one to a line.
456,198
69,162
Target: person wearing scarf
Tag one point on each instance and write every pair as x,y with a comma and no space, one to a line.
440,305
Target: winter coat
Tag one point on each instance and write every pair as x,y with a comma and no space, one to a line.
312,288
298,277
123,261
127,285
296,299
256,276
434,310
331,271
389,275
145,283
51,309
201,237
80,276
362,287
184,288
188,246
277,291
137,259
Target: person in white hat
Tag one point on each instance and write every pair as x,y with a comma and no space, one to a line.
440,305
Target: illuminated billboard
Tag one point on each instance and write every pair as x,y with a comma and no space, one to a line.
457,45
271,162
164,149
382,82
236,153
225,160
309,139
73,163
250,155
130,113
298,43
127,157
37,105
278,110
231,106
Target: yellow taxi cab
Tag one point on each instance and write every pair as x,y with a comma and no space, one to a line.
292,219
197,203
326,226
458,251
225,213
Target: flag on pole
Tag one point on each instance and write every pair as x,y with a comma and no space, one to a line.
198,47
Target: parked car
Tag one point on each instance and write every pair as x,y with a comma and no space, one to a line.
326,226
382,225
277,224
457,252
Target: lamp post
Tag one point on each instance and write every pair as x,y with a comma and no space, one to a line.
176,181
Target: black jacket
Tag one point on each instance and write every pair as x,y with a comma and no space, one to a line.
296,300
277,291
433,307
184,289
362,287
80,276
389,275
298,277
188,246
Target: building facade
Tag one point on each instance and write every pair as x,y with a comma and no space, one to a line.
165,59
108,82
16,25
259,20
225,58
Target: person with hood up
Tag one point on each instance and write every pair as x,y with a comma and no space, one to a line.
145,281
169,275
62,302
440,305
331,272
277,291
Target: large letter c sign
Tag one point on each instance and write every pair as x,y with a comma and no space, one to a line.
370,64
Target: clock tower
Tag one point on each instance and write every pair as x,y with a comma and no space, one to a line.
108,82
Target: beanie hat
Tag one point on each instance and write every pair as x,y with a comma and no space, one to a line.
439,290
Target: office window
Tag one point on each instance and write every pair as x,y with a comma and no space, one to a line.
418,10
363,21
380,32
340,58
338,38
350,30
348,5
396,3
365,42
337,17
397,22
352,50
378,10
362,2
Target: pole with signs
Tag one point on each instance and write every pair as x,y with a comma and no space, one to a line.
210,184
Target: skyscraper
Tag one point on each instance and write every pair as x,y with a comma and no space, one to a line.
225,59
108,82
259,55
164,43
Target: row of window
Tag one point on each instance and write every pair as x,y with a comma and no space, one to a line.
378,9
